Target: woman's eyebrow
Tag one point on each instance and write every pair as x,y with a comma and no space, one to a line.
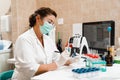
51,20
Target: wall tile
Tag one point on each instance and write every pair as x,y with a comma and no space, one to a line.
77,11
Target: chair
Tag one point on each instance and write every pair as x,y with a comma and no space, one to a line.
6,75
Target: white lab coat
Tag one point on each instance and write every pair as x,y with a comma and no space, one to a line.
30,54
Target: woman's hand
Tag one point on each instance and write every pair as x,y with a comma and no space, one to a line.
68,62
63,59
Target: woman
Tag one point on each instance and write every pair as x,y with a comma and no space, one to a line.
35,52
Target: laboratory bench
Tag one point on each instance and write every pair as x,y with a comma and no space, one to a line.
65,73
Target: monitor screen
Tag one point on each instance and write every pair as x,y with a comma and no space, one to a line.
97,34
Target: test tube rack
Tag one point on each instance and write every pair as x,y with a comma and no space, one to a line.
85,72
96,63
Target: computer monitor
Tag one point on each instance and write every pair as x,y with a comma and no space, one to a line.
97,34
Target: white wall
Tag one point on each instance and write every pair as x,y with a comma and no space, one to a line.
4,6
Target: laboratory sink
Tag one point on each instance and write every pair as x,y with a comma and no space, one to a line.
5,44
5,51
5,54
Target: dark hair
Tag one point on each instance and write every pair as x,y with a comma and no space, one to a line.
43,12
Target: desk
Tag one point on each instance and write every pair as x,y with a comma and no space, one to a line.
64,73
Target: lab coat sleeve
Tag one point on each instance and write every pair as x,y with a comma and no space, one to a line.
56,53
24,55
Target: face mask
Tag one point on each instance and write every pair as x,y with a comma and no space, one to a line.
46,28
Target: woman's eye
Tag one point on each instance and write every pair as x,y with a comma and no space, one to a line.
49,22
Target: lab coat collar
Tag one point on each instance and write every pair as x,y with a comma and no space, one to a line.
32,32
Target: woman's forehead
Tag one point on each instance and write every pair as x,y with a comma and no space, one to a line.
50,17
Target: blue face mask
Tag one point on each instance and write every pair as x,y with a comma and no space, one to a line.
46,28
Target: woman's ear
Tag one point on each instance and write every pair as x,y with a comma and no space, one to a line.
39,20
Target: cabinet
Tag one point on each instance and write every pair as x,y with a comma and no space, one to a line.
4,56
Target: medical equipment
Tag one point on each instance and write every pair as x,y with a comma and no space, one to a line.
78,45
97,34
46,28
92,60
51,34
81,73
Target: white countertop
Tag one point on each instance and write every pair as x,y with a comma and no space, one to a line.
65,73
